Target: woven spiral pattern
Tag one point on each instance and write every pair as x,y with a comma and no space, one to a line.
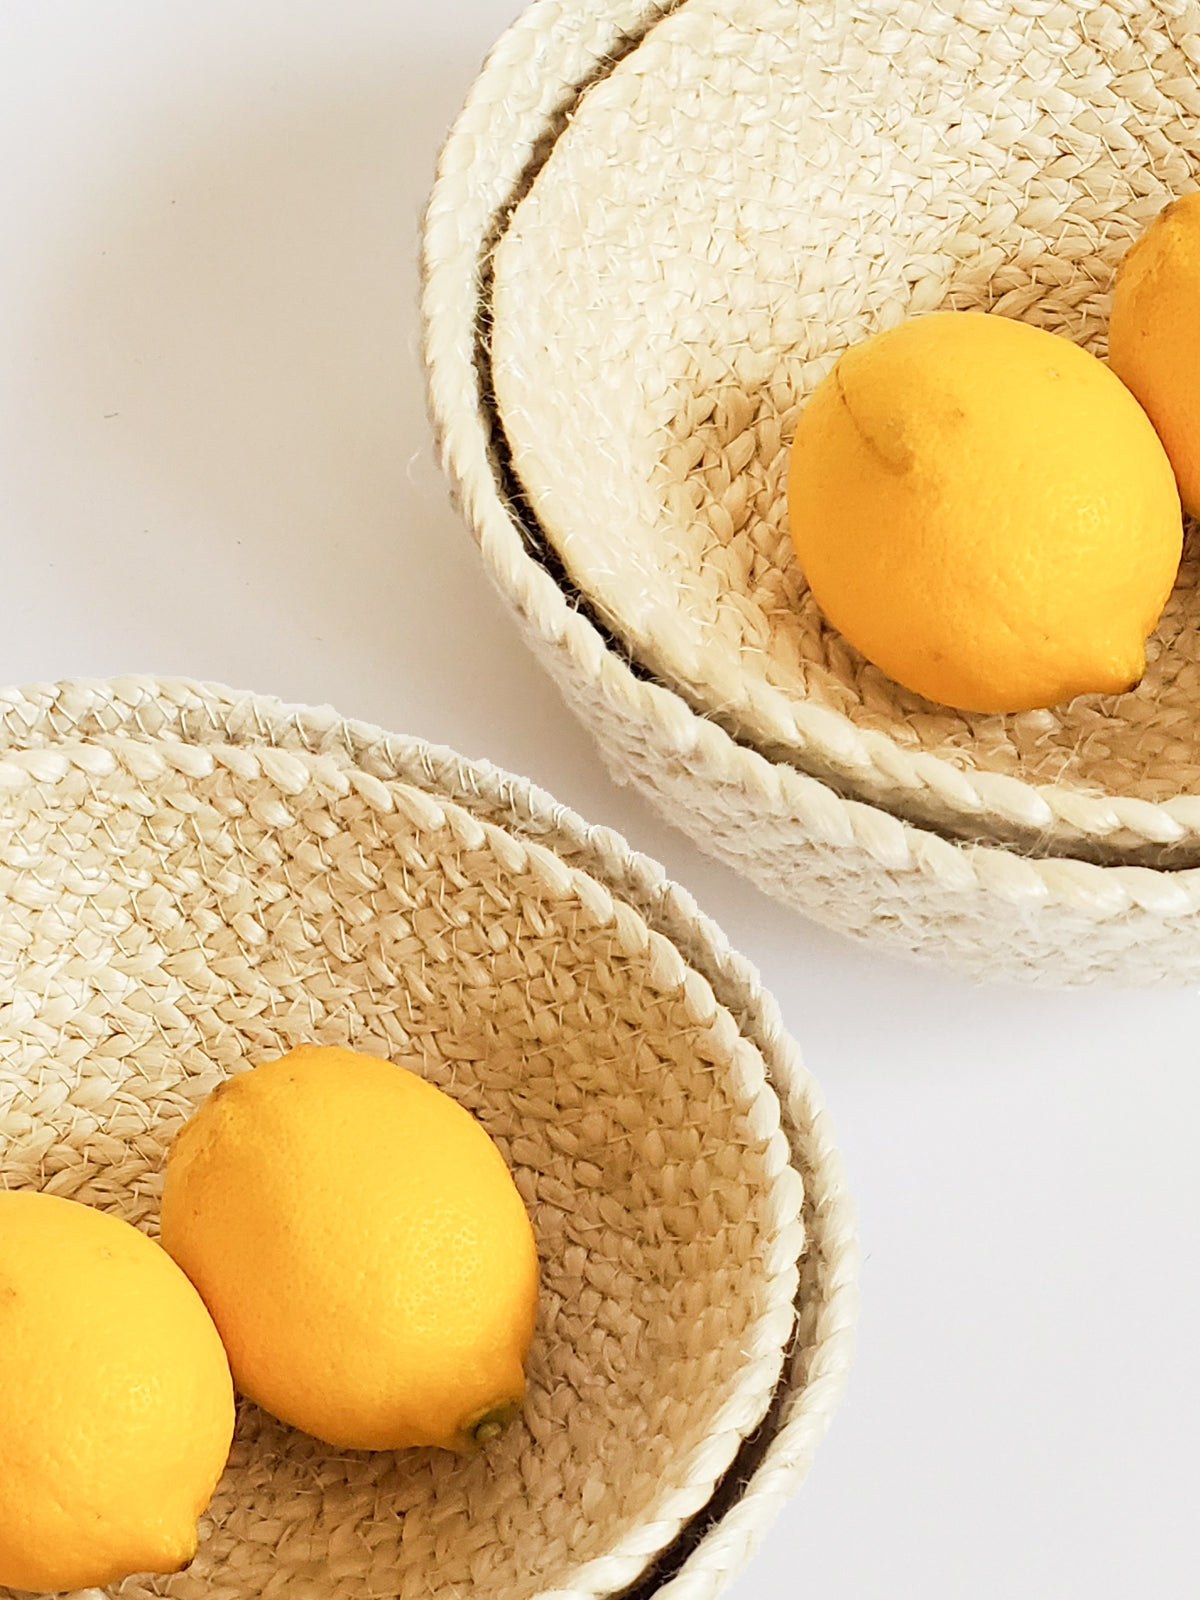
990,912
755,187
191,881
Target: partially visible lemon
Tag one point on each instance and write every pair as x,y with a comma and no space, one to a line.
985,512
362,1247
1154,335
116,1405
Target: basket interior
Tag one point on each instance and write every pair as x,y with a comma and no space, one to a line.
170,913
752,189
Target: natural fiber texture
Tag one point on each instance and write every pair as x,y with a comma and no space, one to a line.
192,880
758,185
990,912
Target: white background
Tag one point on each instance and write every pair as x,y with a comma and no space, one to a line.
214,462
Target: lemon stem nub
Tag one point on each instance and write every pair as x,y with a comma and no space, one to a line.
492,1423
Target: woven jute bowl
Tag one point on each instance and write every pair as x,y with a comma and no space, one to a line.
193,880
653,229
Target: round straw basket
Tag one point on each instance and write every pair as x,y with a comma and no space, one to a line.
193,880
653,229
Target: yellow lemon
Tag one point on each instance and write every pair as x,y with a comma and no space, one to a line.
1154,335
985,512
116,1404
361,1246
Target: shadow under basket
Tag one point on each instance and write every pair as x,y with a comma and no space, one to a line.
193,880
654,227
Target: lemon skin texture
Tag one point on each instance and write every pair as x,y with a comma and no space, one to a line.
1154,335
116,1402
985,512
362,1248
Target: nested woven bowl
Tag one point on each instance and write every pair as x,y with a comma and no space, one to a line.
654,227
191,881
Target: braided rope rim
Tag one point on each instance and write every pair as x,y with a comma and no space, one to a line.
535,77
148,725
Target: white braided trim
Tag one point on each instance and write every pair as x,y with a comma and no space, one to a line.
988,911
317,756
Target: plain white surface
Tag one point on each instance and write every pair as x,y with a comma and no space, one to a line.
214,462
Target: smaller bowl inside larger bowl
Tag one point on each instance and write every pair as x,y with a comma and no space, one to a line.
172,911
733,201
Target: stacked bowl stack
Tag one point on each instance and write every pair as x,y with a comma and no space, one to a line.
654,228
192,881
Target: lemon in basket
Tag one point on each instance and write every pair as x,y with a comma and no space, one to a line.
985,512
1154,335
362,1248
116,1405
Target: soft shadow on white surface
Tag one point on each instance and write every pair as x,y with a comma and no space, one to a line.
228,471
214,462
224,375
1021,1415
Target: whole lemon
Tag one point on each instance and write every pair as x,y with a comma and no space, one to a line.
362,1248
1154,335
985,512
116,1405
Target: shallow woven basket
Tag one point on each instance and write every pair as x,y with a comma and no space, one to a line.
653,229
192,880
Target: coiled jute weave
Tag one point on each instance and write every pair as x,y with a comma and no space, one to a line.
653,229
193,880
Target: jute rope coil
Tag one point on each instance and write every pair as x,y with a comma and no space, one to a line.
1048,905
755,187
192,880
